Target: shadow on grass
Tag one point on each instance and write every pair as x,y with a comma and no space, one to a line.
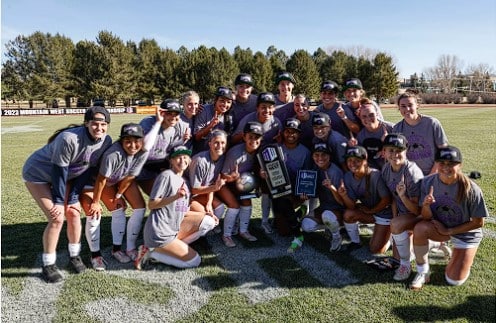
473,310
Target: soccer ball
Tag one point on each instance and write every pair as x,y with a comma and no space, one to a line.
246,183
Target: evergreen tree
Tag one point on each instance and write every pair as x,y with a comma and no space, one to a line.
303,68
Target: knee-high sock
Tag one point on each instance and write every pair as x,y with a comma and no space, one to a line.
176,262
118,226
402,241
134,227
434,244
207,224
331,222
74,249
244,218
422,258
92,232
352,229
230,220
219,211
310,225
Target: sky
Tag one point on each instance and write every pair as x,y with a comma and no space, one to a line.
415,33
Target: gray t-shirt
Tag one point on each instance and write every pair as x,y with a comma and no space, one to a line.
337,123
412,175
326,199
116,164
72,148
162,225
270,128
372,142
237,155
240,109
369,192
203,119
423,140
203,171
447,210
296,159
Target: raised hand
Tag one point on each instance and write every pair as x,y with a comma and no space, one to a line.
340,111
401,187
327,182
187,135
429,198
342,189
182,191
219,182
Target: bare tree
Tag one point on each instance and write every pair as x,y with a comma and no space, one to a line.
445,72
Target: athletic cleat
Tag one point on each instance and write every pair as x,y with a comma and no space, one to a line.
77,264
132,254
217,229
303,211
51,274
121,257
336,244
142,258
98,263
247,236
228,242
419,281
296,244
267,227
402,273
446,250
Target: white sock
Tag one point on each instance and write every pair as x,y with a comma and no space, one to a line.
173,261
219,211
134,227
352,229
265,205
434,244
330,221
230,220
118,226
402,241
92,232
244,218
74,249
49,259
207,224
310,225
423,269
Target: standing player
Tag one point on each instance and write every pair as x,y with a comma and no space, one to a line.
245,102
425,134
453,208
324,133
119,166
55,176
191,105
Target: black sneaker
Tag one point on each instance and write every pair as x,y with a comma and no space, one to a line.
77,264
51,274
351,246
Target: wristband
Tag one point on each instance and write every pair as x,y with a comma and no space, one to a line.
118,195
344,118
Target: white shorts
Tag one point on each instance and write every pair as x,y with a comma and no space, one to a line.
382,221
460,244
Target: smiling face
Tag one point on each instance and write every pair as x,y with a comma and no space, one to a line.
252,141
265,110
408,108
217,146
368,116
179,163
171,118
328,98
191,104
353,95
448,171
356,165
222,104
243,92
285,88
322,131
131,145
395,156
300,107
321,159
97,128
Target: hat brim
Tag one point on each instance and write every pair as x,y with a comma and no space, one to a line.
352,87
180,152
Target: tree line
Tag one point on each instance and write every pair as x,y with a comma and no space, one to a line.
44,67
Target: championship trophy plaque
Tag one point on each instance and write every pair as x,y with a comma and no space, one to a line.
306,183
272,162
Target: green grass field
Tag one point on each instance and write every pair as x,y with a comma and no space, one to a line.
256,282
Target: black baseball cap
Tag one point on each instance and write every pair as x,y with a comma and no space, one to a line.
254,127
131,130
243,78
321,147
171,105
329,86
89,115
355,151
353,83
267,97
321,119
224,92
396,140
450,153
285,76
292,123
